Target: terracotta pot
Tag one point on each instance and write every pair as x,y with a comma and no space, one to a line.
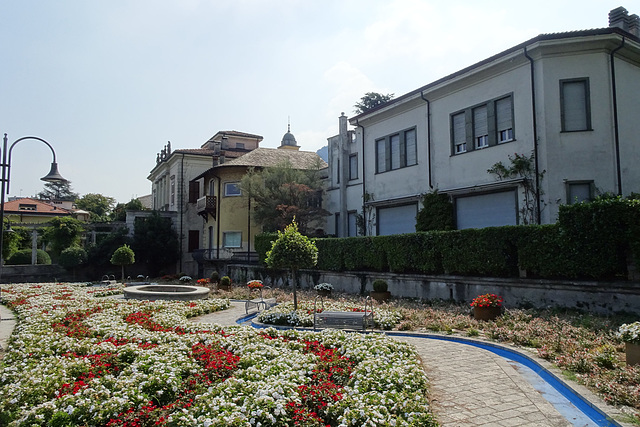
632,352
380,296
486,313
323,292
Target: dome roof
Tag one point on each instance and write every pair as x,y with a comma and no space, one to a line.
288,139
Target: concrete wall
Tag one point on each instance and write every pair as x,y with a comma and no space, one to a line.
33,273
596,297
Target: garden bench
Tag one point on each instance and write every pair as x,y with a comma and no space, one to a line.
357,320
259,303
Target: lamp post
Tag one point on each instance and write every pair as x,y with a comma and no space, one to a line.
5,166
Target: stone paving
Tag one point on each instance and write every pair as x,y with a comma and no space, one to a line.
469,386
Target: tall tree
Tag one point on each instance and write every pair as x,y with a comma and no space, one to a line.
156,243
97,205
281,193
57,191
62,233
371,100
119,213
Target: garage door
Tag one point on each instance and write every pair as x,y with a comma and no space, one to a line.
486,210
397,220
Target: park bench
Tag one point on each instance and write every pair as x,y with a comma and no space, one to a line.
259,303
357,320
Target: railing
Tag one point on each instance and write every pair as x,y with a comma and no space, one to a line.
207,206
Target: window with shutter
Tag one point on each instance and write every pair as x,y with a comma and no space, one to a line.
504,119
410,147
574,103
459,134
480,127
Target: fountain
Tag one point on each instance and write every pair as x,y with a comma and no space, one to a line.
153,292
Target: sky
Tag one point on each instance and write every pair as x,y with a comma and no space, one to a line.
108,82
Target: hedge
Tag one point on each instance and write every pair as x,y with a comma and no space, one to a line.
23,257
590,241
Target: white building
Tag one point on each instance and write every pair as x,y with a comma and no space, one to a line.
569,101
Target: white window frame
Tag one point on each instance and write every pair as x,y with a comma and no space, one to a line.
226,235
228,185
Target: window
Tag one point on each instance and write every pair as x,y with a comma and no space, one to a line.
352,224
212,187
194,240
580,191
459,134
396,151
194,191
26,207
338,225
232,189
575,105
480,127
232,239
173,190
504,119
483,125
353,166
240,145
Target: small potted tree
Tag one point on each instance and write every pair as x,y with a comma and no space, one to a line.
123,256
225,283
380,291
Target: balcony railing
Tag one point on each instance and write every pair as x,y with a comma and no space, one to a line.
207,206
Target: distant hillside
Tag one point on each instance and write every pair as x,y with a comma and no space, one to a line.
324,153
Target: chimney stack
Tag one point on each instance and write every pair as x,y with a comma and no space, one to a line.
619,17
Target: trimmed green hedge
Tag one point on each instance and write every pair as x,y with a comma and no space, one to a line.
23,257
590,241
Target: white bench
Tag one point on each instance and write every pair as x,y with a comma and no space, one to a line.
357,320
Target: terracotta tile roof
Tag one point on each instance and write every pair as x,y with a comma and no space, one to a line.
28,206
265,157
199,151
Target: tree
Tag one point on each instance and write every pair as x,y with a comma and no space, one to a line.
155,242
294,251
436,213
62,233
122,256
72,257
119,213
57,190
371,100
282,193
97,205
100,252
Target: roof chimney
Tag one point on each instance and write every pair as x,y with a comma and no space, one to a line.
619,17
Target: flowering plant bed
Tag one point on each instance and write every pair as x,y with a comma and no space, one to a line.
487,300
78,360
630,332
323,287
255,284
203,282
283,314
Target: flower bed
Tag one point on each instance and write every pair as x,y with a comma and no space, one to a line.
75,359
283,314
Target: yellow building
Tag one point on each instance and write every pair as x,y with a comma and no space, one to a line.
27,211
228,229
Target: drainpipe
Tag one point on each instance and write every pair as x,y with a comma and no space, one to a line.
218,221
428,137
535,137
616,129
180,204
364,178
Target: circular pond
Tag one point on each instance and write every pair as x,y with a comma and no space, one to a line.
154,292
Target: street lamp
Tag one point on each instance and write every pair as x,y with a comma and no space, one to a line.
52,176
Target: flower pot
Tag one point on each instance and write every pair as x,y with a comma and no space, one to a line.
486,313
323,292
380,296
224,287
632,352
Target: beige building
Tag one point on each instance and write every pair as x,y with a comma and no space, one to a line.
175,194
228,230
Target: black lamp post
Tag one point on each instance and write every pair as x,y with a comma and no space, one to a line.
52,176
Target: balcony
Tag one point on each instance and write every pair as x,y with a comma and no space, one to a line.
206,206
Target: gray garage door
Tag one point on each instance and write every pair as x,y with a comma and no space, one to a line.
397,220
486,210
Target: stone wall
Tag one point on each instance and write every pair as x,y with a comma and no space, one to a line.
33,273
597,297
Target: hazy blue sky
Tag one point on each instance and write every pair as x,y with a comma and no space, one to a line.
109,82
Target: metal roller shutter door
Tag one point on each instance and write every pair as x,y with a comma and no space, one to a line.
397,220
487,210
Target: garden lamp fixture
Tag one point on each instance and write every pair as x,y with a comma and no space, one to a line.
5,167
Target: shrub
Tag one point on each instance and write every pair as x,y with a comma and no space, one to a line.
225,281
72,257
215,277
436,213
380,285
23,257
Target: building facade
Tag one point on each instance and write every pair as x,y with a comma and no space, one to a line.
565,104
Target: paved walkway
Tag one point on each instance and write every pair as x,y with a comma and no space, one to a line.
470,386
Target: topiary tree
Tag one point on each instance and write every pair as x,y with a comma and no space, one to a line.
72,257
293,251
123,256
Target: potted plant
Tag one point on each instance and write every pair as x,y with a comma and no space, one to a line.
255,285
630,334
215,277
225,283
323,289
487,306
380,290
